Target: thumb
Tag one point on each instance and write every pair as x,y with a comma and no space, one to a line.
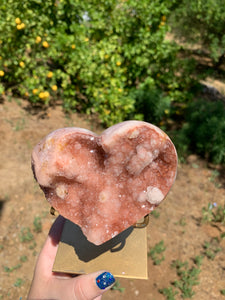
86,287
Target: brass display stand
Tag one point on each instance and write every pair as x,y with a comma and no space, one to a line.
124,256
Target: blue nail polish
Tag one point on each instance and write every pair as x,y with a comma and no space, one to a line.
104,280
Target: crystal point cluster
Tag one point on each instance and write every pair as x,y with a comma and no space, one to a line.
105,183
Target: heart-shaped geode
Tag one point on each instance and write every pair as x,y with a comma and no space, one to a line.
105,183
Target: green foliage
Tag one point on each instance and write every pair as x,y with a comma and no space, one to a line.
204,131
23,258
201,22
188,277
155,214
198,260
169,293
219,215
211,248
214,176
213,213
152,104
33,245
117,287
207,213
156,253
37,224
93,55
11,269
26,235
19,282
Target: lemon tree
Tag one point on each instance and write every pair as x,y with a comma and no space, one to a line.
202,23
94,55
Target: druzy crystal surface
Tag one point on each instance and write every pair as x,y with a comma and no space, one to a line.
108,182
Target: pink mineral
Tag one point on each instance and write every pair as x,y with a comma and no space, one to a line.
105,183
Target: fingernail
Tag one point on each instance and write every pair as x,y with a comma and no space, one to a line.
104,280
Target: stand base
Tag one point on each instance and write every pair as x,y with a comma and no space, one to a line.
124,256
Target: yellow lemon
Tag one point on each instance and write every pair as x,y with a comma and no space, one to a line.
50,74
106,56
163,18
0,57
166,111
38,39
2,73
120,90
20,26
35,91
22,64
18,21
118,63
86,39
41,95
26,94
54,87
46,94
73,46
107,112
45,44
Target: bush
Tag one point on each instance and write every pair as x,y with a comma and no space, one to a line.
152,104
204,131
202,23
92,54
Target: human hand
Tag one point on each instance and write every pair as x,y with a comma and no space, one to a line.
47,285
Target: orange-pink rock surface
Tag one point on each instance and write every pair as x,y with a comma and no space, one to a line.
108,182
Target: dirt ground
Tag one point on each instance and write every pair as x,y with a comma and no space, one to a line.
178,223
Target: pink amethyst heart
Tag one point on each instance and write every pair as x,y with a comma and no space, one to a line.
105,183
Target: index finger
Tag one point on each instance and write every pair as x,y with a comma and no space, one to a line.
47,255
